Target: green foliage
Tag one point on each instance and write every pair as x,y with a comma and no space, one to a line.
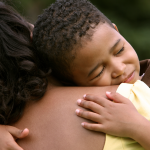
131,17
133,21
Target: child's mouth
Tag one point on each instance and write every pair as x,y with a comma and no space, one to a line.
129,78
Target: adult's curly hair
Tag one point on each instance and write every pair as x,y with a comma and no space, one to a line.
20,78
59,30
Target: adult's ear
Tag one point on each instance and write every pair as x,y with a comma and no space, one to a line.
115,27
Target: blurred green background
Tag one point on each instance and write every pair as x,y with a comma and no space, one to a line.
131,17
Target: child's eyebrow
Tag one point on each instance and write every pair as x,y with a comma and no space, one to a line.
112,48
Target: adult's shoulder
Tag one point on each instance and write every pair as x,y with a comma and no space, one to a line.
53,124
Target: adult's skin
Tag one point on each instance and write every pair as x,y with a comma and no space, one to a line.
53,124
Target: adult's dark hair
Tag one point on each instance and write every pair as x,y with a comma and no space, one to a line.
60,29
20,78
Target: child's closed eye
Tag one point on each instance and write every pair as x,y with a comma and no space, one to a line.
121,50
100,73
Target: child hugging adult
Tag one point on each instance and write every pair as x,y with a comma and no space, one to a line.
84,48
52,121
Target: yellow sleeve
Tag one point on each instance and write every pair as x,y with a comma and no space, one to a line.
139,94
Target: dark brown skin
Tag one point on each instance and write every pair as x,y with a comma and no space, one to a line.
53,124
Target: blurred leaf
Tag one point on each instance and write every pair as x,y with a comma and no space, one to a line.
131,17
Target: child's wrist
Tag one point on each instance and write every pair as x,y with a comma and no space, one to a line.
140,130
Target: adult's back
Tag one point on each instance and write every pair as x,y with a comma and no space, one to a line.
53,124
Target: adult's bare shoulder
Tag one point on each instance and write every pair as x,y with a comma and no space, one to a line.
53,124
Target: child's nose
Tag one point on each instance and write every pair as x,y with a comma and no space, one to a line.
118,69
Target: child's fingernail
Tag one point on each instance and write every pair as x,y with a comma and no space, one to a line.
77,111
84,96
108,92
79,101
82,124
23,130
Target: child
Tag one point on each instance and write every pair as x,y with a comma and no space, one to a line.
84,48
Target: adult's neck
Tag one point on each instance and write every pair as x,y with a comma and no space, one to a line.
53,82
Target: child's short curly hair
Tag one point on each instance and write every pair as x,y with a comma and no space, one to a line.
59,30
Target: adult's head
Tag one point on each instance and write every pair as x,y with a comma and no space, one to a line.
20,78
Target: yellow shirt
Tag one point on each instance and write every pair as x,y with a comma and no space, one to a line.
139,94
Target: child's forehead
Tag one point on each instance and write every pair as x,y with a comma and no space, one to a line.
101,32
103,28
103,36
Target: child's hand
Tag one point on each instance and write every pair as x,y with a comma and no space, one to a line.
119,118
8,135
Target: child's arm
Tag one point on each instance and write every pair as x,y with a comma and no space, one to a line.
8,135
120,118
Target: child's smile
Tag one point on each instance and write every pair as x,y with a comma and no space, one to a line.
107,59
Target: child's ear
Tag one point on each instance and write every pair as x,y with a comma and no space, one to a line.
115,27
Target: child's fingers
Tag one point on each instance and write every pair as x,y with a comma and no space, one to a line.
88,115
97,99
17,133
116,97
90,105
24,133
14,146
91,126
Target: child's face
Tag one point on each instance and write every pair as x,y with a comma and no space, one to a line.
107,59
